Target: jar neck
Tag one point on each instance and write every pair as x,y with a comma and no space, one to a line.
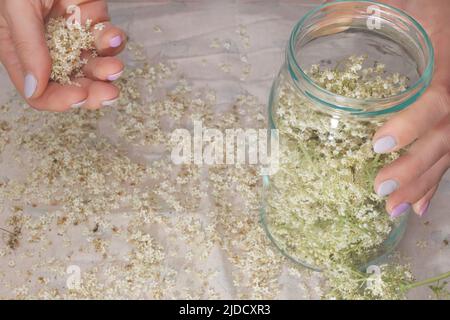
348,16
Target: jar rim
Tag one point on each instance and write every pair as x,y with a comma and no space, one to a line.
424,79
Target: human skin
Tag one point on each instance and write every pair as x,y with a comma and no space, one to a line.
424,127
24,53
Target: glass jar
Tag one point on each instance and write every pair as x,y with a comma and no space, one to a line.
320,208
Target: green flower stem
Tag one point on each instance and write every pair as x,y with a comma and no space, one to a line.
427,281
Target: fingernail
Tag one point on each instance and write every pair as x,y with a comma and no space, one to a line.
115,76
400,210
424,209
30,85
384,144
387,187
115,42
110,103
79,104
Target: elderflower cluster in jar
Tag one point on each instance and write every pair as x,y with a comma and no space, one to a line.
321,209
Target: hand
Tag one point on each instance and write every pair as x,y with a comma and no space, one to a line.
413,179
24,53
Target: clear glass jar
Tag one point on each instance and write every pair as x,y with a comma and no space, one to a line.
319,208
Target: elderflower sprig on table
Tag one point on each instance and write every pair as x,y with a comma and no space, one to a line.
391,283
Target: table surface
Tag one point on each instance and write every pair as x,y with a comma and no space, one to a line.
183,31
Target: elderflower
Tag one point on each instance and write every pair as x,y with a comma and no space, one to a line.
66,42
142,217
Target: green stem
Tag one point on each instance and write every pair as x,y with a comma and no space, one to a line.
427,281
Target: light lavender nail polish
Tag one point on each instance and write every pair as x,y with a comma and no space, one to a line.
115,42
110,103
384,144
424,209
115,76
30,85
400,210
79,104
387,187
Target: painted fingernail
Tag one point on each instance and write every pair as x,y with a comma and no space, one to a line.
110,103
115,42
387,187
115,76
400,210
424,209
384,144
30,85
79,104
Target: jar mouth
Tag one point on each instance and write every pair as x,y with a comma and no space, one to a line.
379,106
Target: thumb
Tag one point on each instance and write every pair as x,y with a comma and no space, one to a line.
27,31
